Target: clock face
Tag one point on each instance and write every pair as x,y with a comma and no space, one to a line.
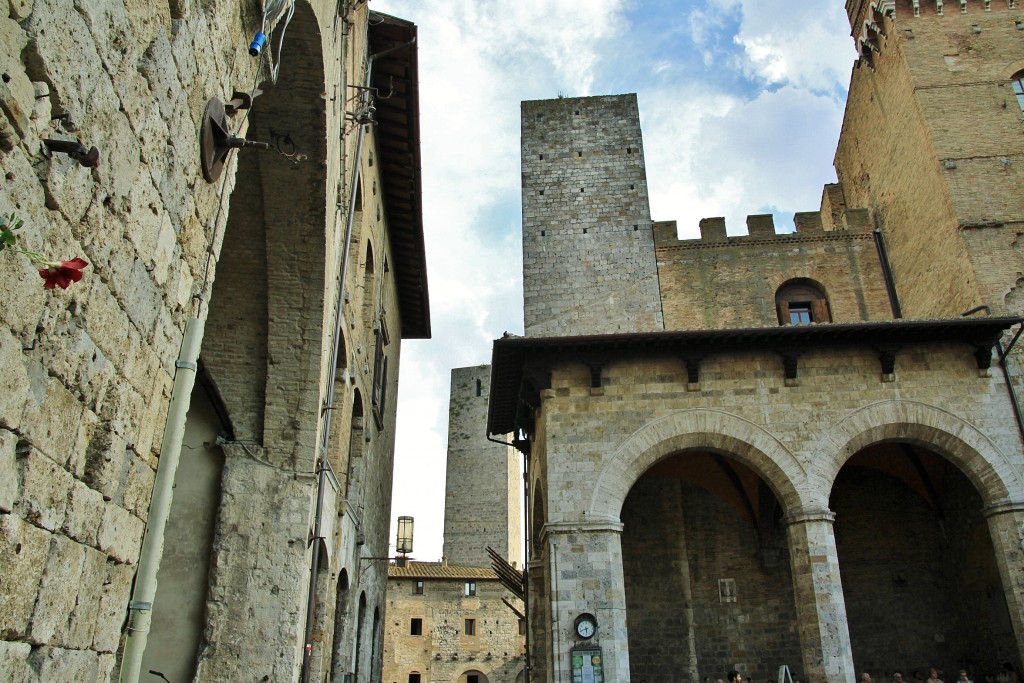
585,626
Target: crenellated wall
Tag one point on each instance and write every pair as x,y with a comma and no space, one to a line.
720,281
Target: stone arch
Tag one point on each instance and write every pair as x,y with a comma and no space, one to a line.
982,462
265,326
711,430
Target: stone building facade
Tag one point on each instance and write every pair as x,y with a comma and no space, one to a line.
268,300
449,623
749,451
430,605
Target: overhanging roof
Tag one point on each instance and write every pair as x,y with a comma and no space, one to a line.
396,77
510,355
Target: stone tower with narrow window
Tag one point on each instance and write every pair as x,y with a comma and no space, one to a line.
933,142
483,492
588,244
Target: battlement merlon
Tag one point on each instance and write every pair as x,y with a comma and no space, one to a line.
760,226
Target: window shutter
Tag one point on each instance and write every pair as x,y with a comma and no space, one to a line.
819,311
783,307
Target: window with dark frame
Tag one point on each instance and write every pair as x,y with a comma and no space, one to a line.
472,678
378,397
417,587
470,627
414,677
415,627
1017,82
470,588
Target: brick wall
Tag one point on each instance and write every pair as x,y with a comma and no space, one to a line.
717,282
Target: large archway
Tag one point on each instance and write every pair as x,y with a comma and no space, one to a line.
706,571
920,577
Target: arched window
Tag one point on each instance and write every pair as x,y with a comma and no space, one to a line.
1017,82
802,302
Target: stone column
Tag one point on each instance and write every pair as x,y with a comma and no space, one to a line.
1006,526
820,608
586,577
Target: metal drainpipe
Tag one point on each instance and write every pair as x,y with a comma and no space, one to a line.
325,438
141,606
890,283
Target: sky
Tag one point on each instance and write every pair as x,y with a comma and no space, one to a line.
741,102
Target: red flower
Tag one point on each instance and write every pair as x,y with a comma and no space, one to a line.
62,274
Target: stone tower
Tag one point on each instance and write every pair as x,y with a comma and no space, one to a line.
588,245
932,143
483,491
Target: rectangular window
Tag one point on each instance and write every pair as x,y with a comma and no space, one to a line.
414,678
417,587
470,627
379,389
416,627
800,313
472,678
470,588
522,627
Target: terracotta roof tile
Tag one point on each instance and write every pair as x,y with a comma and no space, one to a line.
437,570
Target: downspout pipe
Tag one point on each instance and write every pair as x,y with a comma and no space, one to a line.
141,606
890,282
325,437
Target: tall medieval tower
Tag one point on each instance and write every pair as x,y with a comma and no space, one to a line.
483,490
933,142
588,245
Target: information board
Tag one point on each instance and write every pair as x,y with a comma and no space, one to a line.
586,665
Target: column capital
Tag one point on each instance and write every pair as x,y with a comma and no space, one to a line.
1003,507
805,515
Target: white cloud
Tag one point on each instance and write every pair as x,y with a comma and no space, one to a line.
784,43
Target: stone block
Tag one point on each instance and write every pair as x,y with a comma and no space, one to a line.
52,424
138,486
78,631
23,552
58,589
59,664
10,483
45,487
114,597
84,513
17,96
14,666
120,534
14,381
807,221
104,461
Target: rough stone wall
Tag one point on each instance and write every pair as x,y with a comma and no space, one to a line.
482,490
717,282
931,142
86,372
444,652
588,257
